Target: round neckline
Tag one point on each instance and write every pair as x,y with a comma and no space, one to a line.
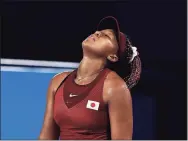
85,85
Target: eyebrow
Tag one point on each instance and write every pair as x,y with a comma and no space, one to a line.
110,31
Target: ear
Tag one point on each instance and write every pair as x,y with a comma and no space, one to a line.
113,58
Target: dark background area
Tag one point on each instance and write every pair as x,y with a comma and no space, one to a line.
55,30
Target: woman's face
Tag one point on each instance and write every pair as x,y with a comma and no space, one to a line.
102,43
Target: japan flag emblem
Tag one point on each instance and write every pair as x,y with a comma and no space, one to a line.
92,105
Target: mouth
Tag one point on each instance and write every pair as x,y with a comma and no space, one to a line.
92,37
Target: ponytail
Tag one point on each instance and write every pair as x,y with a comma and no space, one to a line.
134,63
129,65
133,78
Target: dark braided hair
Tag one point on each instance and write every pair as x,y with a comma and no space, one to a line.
129,71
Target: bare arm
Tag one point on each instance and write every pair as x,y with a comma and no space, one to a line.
120,110
50,130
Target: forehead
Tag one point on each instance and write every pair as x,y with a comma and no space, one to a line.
109,31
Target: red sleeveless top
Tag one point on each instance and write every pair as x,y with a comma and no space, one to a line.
79,110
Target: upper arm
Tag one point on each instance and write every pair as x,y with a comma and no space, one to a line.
50,129
120,110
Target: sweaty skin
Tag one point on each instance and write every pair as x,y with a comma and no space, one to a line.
50,130
97,48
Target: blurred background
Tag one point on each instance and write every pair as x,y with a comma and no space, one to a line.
41,39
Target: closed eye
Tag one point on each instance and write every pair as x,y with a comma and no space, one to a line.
107,36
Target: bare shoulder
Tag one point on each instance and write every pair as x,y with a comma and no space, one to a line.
57,79
115,87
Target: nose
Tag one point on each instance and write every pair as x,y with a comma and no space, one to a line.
98,33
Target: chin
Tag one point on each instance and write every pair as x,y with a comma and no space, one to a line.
86,44
83,43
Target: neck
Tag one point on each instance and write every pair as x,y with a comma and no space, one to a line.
90,66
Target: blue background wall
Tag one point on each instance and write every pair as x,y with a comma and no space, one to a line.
23,104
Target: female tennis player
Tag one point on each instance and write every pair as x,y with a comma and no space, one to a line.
94,102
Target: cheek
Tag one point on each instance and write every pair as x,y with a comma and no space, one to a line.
100,46
106,47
